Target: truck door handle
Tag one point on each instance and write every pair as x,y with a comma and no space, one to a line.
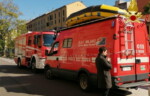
57,59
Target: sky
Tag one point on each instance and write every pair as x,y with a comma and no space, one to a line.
34,8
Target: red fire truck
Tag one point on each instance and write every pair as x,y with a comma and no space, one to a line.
30,49
74,52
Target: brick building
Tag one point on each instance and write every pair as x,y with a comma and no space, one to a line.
54,19
141,4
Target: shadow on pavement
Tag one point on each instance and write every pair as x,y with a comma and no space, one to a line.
13,69
120,92
25,82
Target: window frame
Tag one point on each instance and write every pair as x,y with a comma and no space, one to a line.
29,40
67,40
52,49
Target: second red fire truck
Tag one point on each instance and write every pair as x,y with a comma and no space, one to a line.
30,49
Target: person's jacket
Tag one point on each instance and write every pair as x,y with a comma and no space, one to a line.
103,72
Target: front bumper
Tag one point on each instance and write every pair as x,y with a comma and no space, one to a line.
40,64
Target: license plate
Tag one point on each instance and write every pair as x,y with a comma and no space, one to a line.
126,68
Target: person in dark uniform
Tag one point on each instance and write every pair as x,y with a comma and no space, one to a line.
103,66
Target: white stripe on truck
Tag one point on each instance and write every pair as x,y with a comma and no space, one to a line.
32,48
119,61
54,57
132,60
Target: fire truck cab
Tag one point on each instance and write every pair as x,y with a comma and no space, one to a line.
30,49
74,52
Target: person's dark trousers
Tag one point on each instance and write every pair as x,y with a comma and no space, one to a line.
105,92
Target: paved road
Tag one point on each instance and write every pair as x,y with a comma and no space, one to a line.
22,82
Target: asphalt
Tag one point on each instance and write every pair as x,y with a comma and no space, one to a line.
22,82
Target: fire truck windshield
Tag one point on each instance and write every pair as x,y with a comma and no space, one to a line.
48,39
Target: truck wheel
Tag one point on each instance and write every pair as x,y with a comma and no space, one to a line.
33,66
84,82
19,64
48,74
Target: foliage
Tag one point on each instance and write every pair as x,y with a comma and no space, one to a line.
147,9
21,27
10,25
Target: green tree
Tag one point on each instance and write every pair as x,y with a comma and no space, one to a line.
21,27
147,9
18,30
10,26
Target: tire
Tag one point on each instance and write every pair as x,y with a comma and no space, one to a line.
49,74
84,82
19,64
33,66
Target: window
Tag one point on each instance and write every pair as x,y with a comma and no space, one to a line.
55,16
63,12
51,22
54,49
67,43
123,5
48,39
56,46
47,24
63,19
37,40
59,14
51,17
30,40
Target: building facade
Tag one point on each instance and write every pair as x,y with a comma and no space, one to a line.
141,4
122,4
54,19
147,18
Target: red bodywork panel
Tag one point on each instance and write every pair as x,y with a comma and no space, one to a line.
128,59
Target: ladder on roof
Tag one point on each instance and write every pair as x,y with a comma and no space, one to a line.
129,39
